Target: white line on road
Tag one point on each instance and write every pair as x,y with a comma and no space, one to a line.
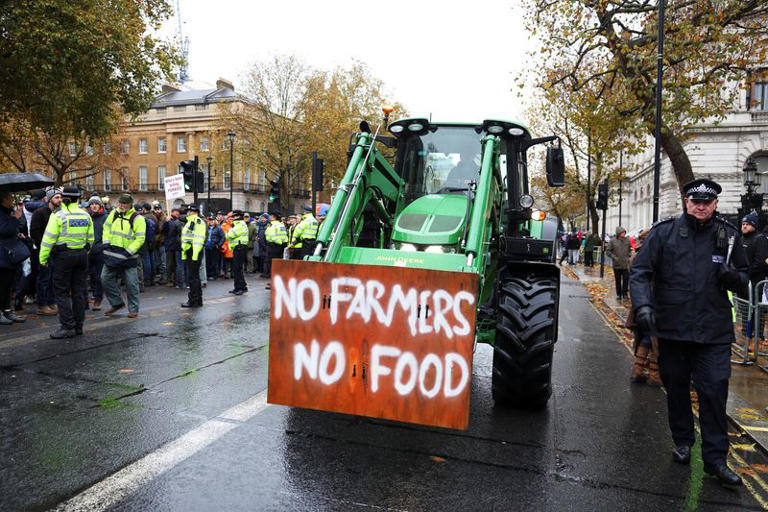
116,487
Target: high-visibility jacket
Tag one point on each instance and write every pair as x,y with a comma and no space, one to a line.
238,235
305,230
226,247
192,236
69,226
119,231
276,233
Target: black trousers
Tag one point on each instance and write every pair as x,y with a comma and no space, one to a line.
70,285
308,248
193,275
710,368
589,257
239,256
7,278
622,281
274,252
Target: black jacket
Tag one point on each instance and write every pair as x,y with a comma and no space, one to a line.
9,229
682,258
172,232
98,231
756,249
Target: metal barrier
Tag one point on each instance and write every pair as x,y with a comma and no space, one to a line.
743,328
760,312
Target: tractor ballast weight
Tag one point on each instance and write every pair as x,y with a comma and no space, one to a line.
416,262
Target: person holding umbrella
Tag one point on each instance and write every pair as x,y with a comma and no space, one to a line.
12,253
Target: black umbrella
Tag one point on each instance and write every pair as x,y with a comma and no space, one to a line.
21,181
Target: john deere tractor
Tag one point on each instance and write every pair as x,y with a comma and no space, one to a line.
456,199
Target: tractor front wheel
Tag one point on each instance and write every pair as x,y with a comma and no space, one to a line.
526,330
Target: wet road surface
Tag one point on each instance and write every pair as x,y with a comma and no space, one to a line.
166,412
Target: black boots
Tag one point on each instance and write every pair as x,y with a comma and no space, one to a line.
723,473
682,454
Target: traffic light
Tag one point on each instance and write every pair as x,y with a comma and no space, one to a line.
602,196
187,168
317,172
274,191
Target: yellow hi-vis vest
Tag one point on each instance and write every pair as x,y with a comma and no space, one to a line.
68,226
192,236
238,235
305,230
276,233
120,232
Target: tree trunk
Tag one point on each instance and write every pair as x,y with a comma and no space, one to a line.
594,218
681,165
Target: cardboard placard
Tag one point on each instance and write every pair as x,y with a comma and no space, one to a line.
374,341
174,186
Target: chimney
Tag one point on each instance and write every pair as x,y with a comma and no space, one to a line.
223,83
170,88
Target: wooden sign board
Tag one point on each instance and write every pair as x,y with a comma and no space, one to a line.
384,342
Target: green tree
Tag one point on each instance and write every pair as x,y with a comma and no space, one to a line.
609,47
71,70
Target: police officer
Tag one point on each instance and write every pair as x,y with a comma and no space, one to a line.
755,248
277,237
192,241
67,238
238,242
305,234
692,261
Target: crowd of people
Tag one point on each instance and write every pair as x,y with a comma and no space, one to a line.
66,255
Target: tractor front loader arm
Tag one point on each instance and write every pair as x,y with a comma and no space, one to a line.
369,179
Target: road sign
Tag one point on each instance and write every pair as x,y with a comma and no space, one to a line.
372,341
174,186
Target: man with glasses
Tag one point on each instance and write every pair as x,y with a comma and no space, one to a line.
679,284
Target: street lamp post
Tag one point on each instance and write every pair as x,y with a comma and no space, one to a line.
209,159
752,201
231,136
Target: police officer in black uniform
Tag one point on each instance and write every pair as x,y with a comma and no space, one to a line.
679,284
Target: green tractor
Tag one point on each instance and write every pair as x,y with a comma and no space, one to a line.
457,200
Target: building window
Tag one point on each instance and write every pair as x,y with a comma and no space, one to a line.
143,178
263,177
107,180
247,180
180,108
72,177
181,144
89,149
205,178
161,177
205,143
201,107
72,149
89,182
759,99
143,148
162,145
107,148
160,111
125,146
227,178
124,178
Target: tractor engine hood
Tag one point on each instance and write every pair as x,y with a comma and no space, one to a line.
432,220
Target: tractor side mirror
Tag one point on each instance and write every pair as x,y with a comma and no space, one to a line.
555,167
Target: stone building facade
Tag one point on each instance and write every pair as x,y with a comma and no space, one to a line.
718,151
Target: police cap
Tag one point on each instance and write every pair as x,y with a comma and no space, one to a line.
237,214
193,207
702,189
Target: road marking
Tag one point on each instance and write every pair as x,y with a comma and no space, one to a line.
118,486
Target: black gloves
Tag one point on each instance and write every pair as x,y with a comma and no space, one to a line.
646,319
728,276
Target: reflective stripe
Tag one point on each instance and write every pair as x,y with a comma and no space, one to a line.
46,244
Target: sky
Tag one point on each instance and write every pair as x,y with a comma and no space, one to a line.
456,60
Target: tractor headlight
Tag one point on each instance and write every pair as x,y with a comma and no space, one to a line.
408,247
515,131
526,201
434,249
415,127
397,128
495,129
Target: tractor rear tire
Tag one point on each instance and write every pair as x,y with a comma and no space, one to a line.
526,331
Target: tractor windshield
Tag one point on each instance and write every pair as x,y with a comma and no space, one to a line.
441,162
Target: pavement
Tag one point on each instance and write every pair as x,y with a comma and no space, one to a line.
748,390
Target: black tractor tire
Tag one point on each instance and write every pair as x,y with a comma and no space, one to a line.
526,331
